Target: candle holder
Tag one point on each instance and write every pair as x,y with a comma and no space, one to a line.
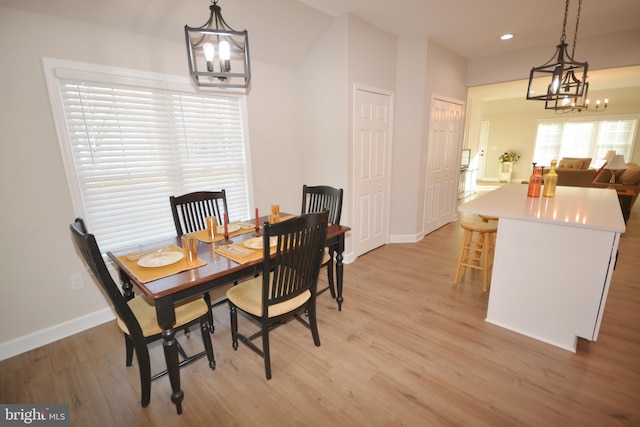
258,231
226,240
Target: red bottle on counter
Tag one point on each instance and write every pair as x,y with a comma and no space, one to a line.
535,182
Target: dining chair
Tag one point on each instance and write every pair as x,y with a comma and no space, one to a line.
190,212
137,316
317,199
287,287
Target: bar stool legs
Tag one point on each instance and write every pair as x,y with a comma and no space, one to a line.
479,254
485,218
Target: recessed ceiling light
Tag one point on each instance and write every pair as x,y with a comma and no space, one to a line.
506,36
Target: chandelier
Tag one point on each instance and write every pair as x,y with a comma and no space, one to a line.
564,80
218,55
586,107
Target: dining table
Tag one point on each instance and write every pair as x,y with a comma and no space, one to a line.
218,263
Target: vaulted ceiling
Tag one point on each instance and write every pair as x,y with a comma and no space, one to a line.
283,31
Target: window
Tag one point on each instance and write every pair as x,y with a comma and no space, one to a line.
130,141
585,138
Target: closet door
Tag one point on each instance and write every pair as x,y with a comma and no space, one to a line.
372,159
443,163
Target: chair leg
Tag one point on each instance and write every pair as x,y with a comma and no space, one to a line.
181,351
313,323
330,275
207,299
206,339
234,325
128,344
266,354
485,275
142,355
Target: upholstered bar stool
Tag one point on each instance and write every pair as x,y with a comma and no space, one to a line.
478,253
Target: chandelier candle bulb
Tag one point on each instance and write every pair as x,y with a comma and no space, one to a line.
209,53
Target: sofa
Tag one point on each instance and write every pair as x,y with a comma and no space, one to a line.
575,172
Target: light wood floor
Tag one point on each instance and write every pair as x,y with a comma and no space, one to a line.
409,348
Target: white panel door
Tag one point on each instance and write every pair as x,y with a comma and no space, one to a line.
482,147
443,164
372,152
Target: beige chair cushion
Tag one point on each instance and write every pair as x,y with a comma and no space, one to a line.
325,257
145,312
248,297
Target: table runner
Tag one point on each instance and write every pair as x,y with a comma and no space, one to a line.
149,274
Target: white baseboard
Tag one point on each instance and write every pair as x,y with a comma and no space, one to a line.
405,238
45,336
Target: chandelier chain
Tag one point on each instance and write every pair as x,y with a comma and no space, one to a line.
564,23
575,37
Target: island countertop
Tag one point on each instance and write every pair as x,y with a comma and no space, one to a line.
594,208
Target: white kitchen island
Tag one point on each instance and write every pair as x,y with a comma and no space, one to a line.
553,260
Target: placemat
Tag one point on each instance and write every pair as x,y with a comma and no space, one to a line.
203,235
149,274
239,253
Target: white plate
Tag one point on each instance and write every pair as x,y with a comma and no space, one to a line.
230,227
160,259
256,242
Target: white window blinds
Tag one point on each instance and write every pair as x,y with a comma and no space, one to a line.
132,147
585,138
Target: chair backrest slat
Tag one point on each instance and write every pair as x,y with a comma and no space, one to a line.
295,266
191,210
323,197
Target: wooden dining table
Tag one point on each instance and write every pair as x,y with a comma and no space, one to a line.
216,272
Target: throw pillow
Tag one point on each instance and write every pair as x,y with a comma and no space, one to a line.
586,162
603,176
600,170
631,176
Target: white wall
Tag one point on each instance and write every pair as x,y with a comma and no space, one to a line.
274,137
323,105
407,191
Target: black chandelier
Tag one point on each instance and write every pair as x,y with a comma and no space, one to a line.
218,55
567,88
